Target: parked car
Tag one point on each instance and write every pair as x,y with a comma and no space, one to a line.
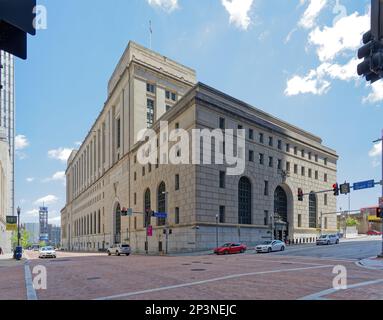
374,233
230,248
119,249
270,246
47,252
327,239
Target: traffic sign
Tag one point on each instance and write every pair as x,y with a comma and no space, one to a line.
160,215
364,185
345,188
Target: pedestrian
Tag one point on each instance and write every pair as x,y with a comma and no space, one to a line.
1,251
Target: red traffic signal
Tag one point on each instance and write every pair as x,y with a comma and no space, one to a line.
335,188
300,194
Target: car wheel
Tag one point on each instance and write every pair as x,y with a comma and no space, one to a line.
283,248
269,250
337,242
242,251
109,254
226,252
118,253
328,243
128,254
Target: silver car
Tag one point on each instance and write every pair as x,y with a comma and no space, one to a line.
270,246
119,249
327,239
47,252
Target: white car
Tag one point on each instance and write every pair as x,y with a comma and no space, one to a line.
270,246
328,239
119,249
47,252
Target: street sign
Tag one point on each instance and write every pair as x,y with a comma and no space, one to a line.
150,231
130,212
11,227
160,215
11,219
364,185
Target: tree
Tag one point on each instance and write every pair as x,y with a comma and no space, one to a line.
351,222
24,239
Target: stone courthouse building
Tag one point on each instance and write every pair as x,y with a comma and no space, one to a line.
203,203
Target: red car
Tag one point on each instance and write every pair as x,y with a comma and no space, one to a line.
230,248
374,233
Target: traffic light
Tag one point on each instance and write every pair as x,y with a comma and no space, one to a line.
345,188
379,212
335,188
300,194
372,50
16,20
124,212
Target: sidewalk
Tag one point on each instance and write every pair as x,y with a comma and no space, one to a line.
372,263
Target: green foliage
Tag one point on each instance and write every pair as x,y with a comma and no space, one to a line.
24,239
42,244
351,222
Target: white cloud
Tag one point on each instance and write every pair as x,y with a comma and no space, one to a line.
166,5
33,213
239,12
377,93
317,81
30,179
21,142
61,154
312,12
58,176
376,150
345,35
46,200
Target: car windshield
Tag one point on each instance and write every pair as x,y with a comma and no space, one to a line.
267,242
47,249
323,237
226,245
125,246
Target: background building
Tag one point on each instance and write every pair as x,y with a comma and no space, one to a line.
34,232
54,233
104,176
43,224
7,117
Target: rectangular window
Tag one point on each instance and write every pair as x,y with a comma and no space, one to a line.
222,123
240,127
149,113
295,168
303,153
251,155
135,199
118,133
326,223
266,218
310,173
325,161
143,171
271,162
177,182
261,159
310,156
167,94
222,210
279,164
325,199
135,176
287,147
295,151
303,171
325,177
271,141
174,96
316,158
150,167
177,126
150,88
251,134
222,178
280,144
168,108
299,221
177,215
261,137
266,190
316,175
288,166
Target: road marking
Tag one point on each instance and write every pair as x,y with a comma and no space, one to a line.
319,295
126,295
31,292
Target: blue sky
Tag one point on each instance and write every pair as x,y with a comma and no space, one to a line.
294,59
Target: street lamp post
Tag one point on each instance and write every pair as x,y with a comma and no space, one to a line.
216,228
18,226
167,222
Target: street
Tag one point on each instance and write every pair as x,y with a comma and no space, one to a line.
302,272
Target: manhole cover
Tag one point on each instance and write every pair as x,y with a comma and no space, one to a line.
198,269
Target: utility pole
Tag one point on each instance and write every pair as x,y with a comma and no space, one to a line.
216,229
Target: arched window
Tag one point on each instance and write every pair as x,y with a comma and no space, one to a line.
147,206
161,203
244,201
312,210
280,205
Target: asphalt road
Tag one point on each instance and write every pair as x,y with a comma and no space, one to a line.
354,249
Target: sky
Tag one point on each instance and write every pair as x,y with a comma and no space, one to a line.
295,59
